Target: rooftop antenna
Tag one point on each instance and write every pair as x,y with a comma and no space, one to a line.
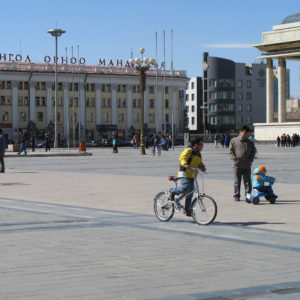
131,53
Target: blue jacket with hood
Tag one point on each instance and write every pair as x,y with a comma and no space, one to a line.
259,178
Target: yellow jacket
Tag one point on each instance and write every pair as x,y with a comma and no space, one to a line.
196,162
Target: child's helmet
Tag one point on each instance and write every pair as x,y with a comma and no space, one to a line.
262,169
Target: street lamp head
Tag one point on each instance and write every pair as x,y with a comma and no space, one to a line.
153,62
142,50
56,32
132,61
146,61
138,61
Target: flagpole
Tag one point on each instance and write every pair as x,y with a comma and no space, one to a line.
172,98
164,91
156,91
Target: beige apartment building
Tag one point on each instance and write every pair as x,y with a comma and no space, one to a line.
102,99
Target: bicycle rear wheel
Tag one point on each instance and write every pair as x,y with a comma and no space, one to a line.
204,210
159,151
163,208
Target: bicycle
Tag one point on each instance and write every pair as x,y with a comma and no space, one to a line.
204,207
158,150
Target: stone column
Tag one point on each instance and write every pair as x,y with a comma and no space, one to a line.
159,110
81,110
15,119
49,102
113,104
32,102
146,106
129,107
281,90
270,92
98,104
66,111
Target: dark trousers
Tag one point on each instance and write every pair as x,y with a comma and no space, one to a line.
238,174
267,190
115,149
2,162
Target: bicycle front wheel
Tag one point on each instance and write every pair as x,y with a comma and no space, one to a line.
163,208
204,210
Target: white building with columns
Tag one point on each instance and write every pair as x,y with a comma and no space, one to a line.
101,99
280,44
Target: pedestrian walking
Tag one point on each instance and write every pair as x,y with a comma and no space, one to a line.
23,143
278,141
47,142
242,152
115,144
215,139
2,151
32,142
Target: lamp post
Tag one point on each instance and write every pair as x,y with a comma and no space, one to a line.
56,33
142,66
204,108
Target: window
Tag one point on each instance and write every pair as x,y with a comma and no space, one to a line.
167,118
75,86
166,103
59,86
2,100
187,86
92,87
212,120
119,88
249,84
37,86
43,86
240,119
240,107
249,120
137,118
151,118
5,116
212,83
193,108
20,85
166,89
240,83
187,108
37,101
43,101
107,88
8,85
151,103
249,107
26,85
25,100
151,89
20,100
107,104
70,86
90,117
187,97
193,85
103,102
240,96
193,97
123,88
8,100
40,116
119,103
212,107
249,96
105,117
193,120
23,116
124,103
74,117
121,118
58,116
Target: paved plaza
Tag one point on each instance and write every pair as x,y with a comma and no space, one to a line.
83,227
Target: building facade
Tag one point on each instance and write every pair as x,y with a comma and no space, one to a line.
92,101
193,97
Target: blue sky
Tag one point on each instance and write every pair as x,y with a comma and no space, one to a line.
110,29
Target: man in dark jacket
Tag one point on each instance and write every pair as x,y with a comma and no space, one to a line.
2,151
242,153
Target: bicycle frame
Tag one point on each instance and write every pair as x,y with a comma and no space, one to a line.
195,190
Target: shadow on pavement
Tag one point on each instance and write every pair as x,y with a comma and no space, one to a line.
247,223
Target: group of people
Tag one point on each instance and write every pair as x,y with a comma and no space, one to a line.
288,141
242,152
155,140
224,140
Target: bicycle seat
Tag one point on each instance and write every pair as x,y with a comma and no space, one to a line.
172,178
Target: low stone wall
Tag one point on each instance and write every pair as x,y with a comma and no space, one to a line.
270,131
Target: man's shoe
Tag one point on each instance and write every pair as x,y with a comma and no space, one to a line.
237,199
188,213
